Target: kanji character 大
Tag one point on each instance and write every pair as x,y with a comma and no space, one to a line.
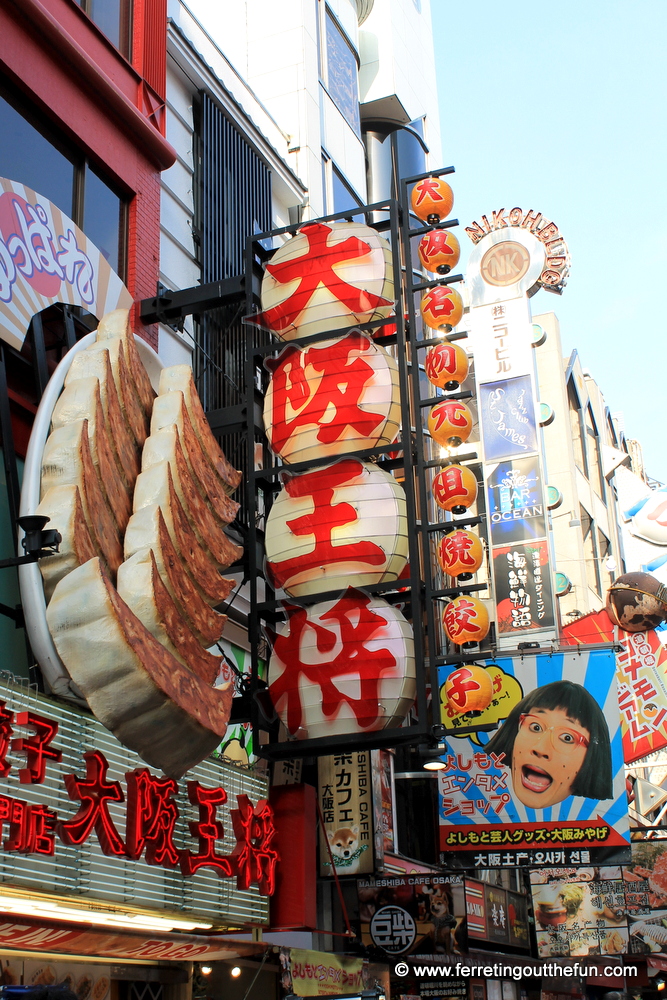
94,792
318,274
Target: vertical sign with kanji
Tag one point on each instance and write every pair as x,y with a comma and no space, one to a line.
346,802
501,339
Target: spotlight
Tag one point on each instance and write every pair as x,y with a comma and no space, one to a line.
434,764
206,970
235,972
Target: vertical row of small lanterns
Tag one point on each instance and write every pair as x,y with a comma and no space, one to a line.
345,664
450,421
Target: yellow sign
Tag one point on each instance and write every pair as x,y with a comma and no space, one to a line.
322,974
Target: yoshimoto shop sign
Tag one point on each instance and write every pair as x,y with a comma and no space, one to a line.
516,253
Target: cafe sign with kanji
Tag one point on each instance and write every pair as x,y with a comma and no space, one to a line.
79,812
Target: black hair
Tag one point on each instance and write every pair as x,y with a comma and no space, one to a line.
61,991
594,780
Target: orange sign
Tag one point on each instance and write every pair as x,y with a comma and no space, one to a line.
641,673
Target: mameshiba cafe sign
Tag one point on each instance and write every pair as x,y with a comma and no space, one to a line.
77,806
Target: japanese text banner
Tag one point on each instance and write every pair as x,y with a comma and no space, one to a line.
641,673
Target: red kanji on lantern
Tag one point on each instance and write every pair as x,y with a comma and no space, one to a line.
151,817
321,485
459,685
450,422
352,654
313,269
441,306
37,747
454,487
207,829
342,377
461,618
460,552
94,792
466,620
432,199
253,859
439,249
6,719
446,365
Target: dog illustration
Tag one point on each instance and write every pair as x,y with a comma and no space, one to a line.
443,921
344,845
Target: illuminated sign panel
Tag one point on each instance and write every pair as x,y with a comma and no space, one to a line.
81,813
506,267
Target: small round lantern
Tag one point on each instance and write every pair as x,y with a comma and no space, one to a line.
450,423
466,620
331,398
455,489
337,526
446,365
441,306
439,251
637,602
460,554
432,200
468,690
343,666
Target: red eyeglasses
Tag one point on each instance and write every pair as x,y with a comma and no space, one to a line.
562,738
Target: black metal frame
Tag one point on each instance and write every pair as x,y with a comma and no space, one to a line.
419,593
431,593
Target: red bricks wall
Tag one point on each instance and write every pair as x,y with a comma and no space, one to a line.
143,249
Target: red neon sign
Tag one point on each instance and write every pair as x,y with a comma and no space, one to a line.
151,813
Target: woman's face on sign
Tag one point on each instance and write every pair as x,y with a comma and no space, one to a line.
549,751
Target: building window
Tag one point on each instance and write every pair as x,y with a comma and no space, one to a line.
576,429
338,195
340,72
232,202
593,457
591,555
32,154
113,17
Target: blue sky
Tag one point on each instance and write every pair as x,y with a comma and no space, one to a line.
562,108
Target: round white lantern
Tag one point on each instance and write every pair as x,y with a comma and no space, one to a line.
329,276
331,398
341,525
343,666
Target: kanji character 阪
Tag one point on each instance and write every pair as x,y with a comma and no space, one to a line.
340,377
151,818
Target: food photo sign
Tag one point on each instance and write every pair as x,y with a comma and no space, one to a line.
605,910
547,785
